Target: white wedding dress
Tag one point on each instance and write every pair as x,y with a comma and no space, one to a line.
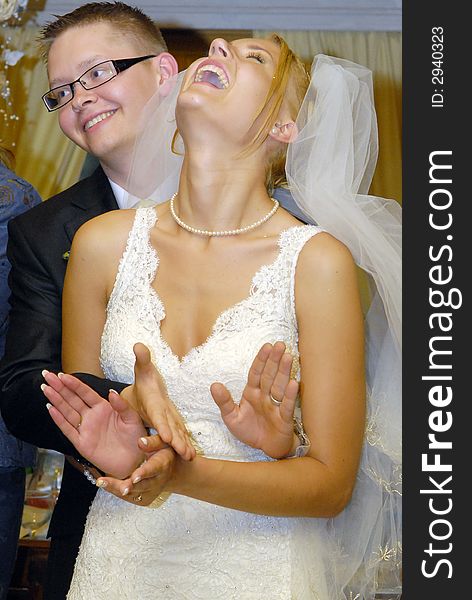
181,548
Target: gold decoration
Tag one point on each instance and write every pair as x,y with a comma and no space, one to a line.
9,10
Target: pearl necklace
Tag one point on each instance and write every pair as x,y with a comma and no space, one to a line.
209,233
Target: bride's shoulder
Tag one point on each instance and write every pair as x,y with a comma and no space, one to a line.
105,234
116,219
323,255
109,225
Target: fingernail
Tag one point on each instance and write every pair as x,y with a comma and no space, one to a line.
44,372
114,391
125,492
137,479
48,405
60,374
144,441
101,484
43,386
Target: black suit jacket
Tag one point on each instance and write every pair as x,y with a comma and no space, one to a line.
37,249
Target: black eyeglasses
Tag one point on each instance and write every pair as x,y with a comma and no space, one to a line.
92,78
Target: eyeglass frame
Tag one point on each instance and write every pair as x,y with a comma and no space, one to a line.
119,65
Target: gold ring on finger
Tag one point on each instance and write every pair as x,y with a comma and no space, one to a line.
275,401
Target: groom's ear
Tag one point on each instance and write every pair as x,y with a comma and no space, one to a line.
167,69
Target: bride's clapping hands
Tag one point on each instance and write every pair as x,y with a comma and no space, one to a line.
148,396
149,480
264,417
105,433
109,435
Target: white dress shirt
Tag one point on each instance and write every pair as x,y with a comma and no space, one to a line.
122,198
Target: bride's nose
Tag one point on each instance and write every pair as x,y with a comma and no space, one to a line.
219,47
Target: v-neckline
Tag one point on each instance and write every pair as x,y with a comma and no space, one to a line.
214,328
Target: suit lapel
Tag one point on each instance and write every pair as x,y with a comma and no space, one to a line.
94,198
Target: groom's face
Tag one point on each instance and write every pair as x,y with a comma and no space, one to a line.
102,121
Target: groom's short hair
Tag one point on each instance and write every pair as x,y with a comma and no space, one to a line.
129,20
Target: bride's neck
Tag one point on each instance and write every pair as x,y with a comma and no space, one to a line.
220,192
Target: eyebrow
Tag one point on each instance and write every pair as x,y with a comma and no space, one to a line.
256,47
259,48
82,66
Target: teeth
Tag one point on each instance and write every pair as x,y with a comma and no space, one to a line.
98,118
214,69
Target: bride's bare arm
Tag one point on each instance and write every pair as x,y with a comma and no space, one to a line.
331,347
91,271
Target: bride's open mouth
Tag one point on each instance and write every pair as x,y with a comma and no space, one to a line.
212,74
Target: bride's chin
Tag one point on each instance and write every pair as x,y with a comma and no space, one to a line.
198,125
189,112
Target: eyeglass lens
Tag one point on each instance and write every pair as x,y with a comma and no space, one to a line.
94,77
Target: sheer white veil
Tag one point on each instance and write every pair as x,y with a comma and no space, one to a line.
155,168
329,170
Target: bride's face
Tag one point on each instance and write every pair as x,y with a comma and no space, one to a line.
222,94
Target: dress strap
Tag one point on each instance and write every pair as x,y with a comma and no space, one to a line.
138,262
291,243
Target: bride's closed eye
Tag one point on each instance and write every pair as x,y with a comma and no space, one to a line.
257,56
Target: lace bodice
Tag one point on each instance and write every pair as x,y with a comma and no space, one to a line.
184,548
267,314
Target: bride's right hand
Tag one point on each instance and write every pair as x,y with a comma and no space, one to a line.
148,396
105,433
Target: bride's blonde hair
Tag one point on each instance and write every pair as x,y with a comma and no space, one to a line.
289,85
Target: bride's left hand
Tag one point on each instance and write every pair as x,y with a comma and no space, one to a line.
149,480
259,420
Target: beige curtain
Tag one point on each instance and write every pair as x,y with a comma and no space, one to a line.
382,53
44,156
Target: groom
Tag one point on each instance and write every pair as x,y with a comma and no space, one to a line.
100,119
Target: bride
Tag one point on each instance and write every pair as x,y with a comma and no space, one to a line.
207,278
